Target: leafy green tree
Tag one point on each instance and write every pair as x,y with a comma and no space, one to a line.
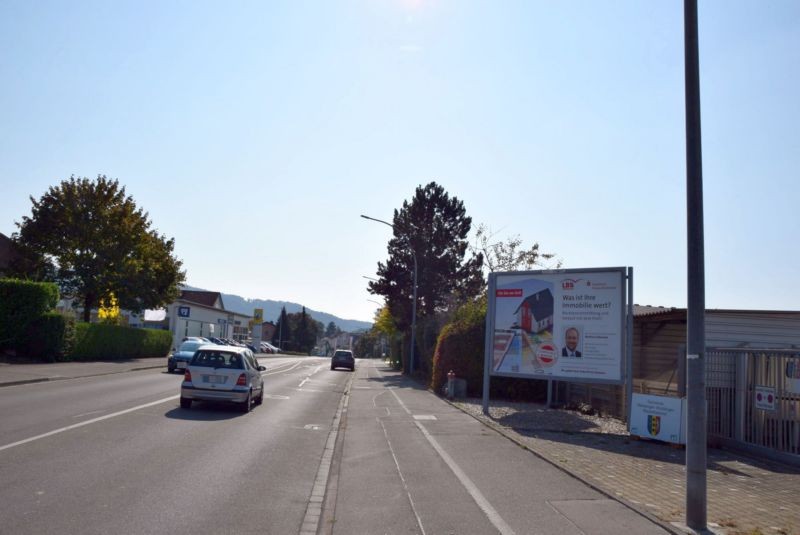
98,243
434,228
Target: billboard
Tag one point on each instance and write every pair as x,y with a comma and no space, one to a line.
563,325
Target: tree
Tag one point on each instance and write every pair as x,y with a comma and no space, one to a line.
99,243
282,329
509,255
332,330
306,333
434,227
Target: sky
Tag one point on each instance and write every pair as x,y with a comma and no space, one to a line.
256,133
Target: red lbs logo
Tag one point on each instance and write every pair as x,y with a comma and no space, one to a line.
569,284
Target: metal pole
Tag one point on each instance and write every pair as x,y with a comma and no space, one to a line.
629,350
414,304
413,314
696,507
488,347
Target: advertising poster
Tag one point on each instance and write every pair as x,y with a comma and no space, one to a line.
658,417
565,325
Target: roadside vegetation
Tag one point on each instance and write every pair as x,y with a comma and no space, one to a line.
86,241
451,290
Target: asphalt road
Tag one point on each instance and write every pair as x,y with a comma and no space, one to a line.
116,454
329,452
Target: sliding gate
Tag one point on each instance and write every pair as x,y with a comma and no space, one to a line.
754,399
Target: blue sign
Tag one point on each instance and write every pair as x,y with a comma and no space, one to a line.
183,312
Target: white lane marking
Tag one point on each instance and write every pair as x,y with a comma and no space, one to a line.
308,377
402,479
275,396
87,422
425,417
292,365
87,414
490,512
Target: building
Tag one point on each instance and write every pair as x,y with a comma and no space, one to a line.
659,349
201,313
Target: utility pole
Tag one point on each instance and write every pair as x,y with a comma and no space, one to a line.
414,302
696,506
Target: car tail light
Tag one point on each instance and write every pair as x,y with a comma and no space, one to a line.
187,376
242,380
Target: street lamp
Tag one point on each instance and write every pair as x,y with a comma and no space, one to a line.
414,303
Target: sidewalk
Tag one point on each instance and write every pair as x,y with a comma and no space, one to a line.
16,373
746,496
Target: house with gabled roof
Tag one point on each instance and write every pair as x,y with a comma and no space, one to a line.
535,313
202,297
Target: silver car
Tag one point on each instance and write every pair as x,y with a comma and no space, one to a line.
223,373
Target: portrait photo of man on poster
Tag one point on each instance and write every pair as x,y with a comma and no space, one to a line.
571,340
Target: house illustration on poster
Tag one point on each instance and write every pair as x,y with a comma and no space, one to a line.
535,313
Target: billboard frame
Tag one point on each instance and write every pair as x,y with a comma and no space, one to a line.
625,321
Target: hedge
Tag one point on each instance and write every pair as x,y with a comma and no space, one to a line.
21,303
97,341
48,338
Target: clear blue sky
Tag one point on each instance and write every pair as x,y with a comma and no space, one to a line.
255,133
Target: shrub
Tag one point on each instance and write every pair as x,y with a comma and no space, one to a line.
460,348
48,337
96,341
21,303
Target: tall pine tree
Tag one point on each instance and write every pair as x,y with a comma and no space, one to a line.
282,330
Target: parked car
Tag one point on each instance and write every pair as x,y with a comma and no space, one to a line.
223,373
343,358
218,341
266,347
179,359
196,339
252,348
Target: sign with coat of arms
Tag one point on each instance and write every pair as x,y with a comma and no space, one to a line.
658,417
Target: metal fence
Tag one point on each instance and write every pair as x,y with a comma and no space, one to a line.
754,398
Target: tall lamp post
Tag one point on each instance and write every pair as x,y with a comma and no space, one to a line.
414,303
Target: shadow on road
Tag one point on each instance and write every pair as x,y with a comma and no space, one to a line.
208,411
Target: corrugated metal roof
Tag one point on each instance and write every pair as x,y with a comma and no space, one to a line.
647,310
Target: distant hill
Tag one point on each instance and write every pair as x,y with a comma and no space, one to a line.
272,309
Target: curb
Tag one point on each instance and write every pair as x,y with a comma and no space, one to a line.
502,431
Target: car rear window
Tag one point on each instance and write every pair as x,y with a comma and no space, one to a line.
218,359
343,354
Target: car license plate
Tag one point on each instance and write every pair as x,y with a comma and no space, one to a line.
214,379
180,365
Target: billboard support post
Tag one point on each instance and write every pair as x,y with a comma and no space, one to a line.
629,349
488,349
